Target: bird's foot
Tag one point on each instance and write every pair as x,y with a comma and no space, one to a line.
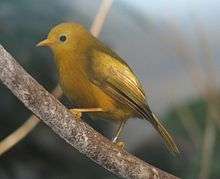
77,114
120,145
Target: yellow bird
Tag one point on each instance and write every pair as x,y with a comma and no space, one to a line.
97,80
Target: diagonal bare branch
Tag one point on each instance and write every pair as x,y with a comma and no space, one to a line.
77,133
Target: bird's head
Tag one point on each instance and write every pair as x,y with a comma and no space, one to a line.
66,37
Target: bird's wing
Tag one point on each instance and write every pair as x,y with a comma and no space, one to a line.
115,77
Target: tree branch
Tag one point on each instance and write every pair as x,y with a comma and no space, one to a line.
32,121
78,134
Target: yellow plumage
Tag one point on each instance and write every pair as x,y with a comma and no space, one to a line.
93,76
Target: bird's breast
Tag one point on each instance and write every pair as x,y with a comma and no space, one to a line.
74,84
79,89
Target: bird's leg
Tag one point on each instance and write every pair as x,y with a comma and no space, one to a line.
119,130
77,112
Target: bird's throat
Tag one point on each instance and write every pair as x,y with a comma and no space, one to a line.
73,78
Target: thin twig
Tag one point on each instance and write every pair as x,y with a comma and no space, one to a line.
189,123
18,134
206,89
208,58
188,56
209,139
77,133
32,122
207,149
24,130
101,16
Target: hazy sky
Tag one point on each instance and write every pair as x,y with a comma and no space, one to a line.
206,11
202,8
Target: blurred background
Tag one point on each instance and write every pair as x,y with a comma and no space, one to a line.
173,46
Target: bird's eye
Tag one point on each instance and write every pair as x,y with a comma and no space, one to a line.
62,38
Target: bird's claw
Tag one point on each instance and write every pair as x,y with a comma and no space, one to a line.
120,145
77,114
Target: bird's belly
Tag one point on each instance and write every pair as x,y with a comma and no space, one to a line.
79,91
85,94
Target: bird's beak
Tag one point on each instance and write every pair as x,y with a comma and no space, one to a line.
44,43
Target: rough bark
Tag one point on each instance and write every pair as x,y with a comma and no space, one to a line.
78,134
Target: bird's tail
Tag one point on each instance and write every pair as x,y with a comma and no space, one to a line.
164,134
